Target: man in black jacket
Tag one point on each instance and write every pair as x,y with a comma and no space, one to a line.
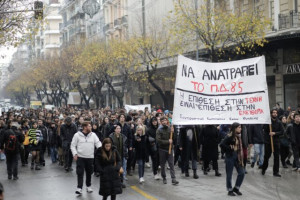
293,131
67,131
277,131
10,141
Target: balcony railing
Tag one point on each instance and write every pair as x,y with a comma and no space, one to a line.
104,2
108,28
289,20
125,20
117,23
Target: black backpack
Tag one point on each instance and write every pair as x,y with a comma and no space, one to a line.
11,142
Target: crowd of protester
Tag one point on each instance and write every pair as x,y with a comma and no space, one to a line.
111,144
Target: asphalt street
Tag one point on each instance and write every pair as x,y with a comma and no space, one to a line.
52,182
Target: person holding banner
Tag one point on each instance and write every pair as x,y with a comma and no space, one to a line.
233,147
164,138
273,134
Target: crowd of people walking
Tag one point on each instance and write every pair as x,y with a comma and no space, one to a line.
110,144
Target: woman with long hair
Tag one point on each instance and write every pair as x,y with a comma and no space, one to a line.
233,148
108,164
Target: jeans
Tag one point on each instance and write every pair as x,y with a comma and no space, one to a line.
84,164
163,157
53,154
124,165
259,150
232,161
141,164
12,164
2,156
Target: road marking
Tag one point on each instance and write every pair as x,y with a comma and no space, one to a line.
144,194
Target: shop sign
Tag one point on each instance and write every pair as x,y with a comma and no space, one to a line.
292,69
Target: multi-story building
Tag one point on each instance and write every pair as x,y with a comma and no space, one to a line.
282,51
73,26
47,39
95,25
116,19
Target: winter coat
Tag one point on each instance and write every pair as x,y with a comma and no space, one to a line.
140,147
52,137
113,138
277,128
110,181
245,136
189,145
256,134
293,131
126,130
151,137
84,145
44,131
66,133
5,139
162,137
226,142
210,138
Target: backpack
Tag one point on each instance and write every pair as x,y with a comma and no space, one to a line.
11,142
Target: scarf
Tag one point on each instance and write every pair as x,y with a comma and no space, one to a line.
240,150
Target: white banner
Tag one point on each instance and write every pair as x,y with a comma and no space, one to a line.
221,93
138,107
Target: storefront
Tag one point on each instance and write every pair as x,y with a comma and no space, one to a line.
291,85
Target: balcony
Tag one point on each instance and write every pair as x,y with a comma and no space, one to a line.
80,29
289,20
108,28
117,23
125,20
106,2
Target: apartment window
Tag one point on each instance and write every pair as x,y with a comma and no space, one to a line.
115,12
271,15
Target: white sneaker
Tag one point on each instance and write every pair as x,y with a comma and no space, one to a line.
89,189
298,170
78,191
147,165
295,169
156,177
143,180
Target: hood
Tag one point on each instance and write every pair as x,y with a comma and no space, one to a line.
150,123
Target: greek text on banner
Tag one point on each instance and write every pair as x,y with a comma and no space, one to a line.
221,93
